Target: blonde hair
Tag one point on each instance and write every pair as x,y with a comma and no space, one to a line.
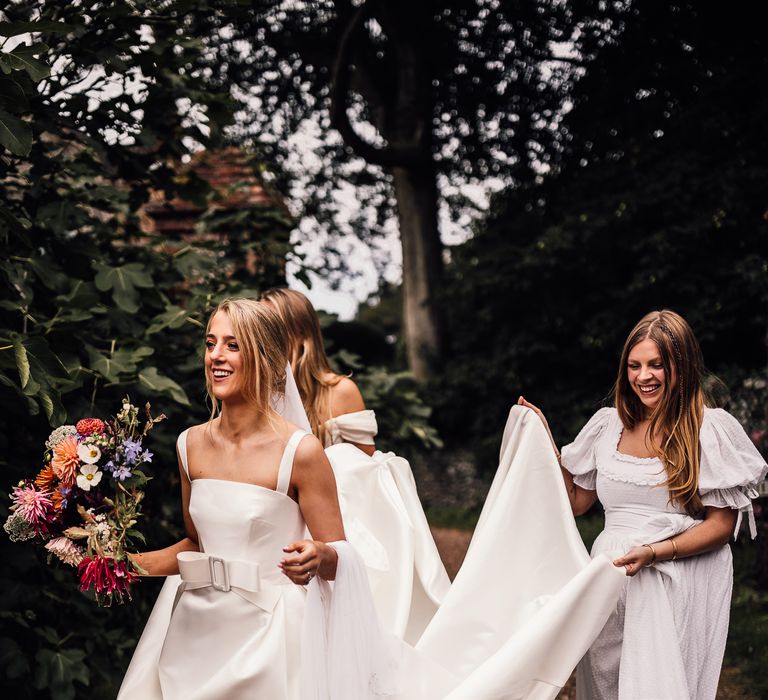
263,345
309,362
676,419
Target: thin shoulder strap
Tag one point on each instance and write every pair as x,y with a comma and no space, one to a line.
286,463
181,446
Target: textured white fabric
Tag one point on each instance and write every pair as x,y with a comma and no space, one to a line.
673,616
384,520
359,427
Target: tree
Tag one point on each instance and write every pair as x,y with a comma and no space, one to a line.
657,202
427,92
94,106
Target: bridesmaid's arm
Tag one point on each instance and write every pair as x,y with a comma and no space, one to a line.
315,486
162,562
713,533
346,398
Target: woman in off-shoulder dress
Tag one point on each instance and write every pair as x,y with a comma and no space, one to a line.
382,514
675,478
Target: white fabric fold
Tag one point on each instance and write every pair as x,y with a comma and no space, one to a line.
345,653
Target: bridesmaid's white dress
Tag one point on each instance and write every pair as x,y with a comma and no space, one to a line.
385,522
667,636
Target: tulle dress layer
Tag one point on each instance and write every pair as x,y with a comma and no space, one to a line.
384,520
666,639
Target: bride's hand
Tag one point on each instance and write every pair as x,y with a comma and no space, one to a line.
308,557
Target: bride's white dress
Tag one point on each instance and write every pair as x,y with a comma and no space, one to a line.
524,608
385,522
226,644
667,637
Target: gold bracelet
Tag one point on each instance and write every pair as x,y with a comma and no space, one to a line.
674,549
653,560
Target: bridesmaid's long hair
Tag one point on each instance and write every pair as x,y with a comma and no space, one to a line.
676,419
263,344
311,369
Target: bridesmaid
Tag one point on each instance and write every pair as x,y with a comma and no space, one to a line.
333,403
252,484
382,514
675,478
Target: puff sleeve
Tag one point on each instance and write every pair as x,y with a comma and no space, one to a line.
731,466
579,457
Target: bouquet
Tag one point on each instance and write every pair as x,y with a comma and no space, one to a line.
83,505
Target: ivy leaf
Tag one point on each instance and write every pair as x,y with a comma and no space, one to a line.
15,134
123,281
156,383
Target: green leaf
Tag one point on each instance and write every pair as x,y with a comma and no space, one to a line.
113,365
23,58
22,361
15,134
13,662
172,317
123,281
58,670
156,383
16,28
12,96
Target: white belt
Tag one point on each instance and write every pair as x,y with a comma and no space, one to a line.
200,570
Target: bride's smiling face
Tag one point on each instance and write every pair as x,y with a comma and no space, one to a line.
223,360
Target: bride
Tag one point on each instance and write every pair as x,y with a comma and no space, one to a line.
252,484
380,506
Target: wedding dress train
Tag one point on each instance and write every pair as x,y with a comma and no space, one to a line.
524,608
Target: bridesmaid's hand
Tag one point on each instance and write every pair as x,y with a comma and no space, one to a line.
522,402
635,559
308,557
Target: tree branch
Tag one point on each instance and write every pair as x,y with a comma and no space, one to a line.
389,156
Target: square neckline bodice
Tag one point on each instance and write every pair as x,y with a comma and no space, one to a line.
284,471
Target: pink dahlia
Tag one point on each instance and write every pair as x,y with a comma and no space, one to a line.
66,550
89,426
31,504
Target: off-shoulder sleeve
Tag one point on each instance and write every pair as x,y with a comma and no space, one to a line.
579,457
359,427
731,466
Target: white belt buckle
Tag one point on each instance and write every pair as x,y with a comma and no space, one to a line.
219,574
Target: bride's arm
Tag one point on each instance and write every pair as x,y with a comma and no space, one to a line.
162,562
315,487
581,499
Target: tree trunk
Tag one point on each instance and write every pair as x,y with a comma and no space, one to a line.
416,194
402,106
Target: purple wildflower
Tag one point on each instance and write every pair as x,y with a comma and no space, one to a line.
122,473
131,448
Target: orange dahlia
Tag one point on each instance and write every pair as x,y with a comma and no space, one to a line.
65,460
57,499
89,426
46,478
